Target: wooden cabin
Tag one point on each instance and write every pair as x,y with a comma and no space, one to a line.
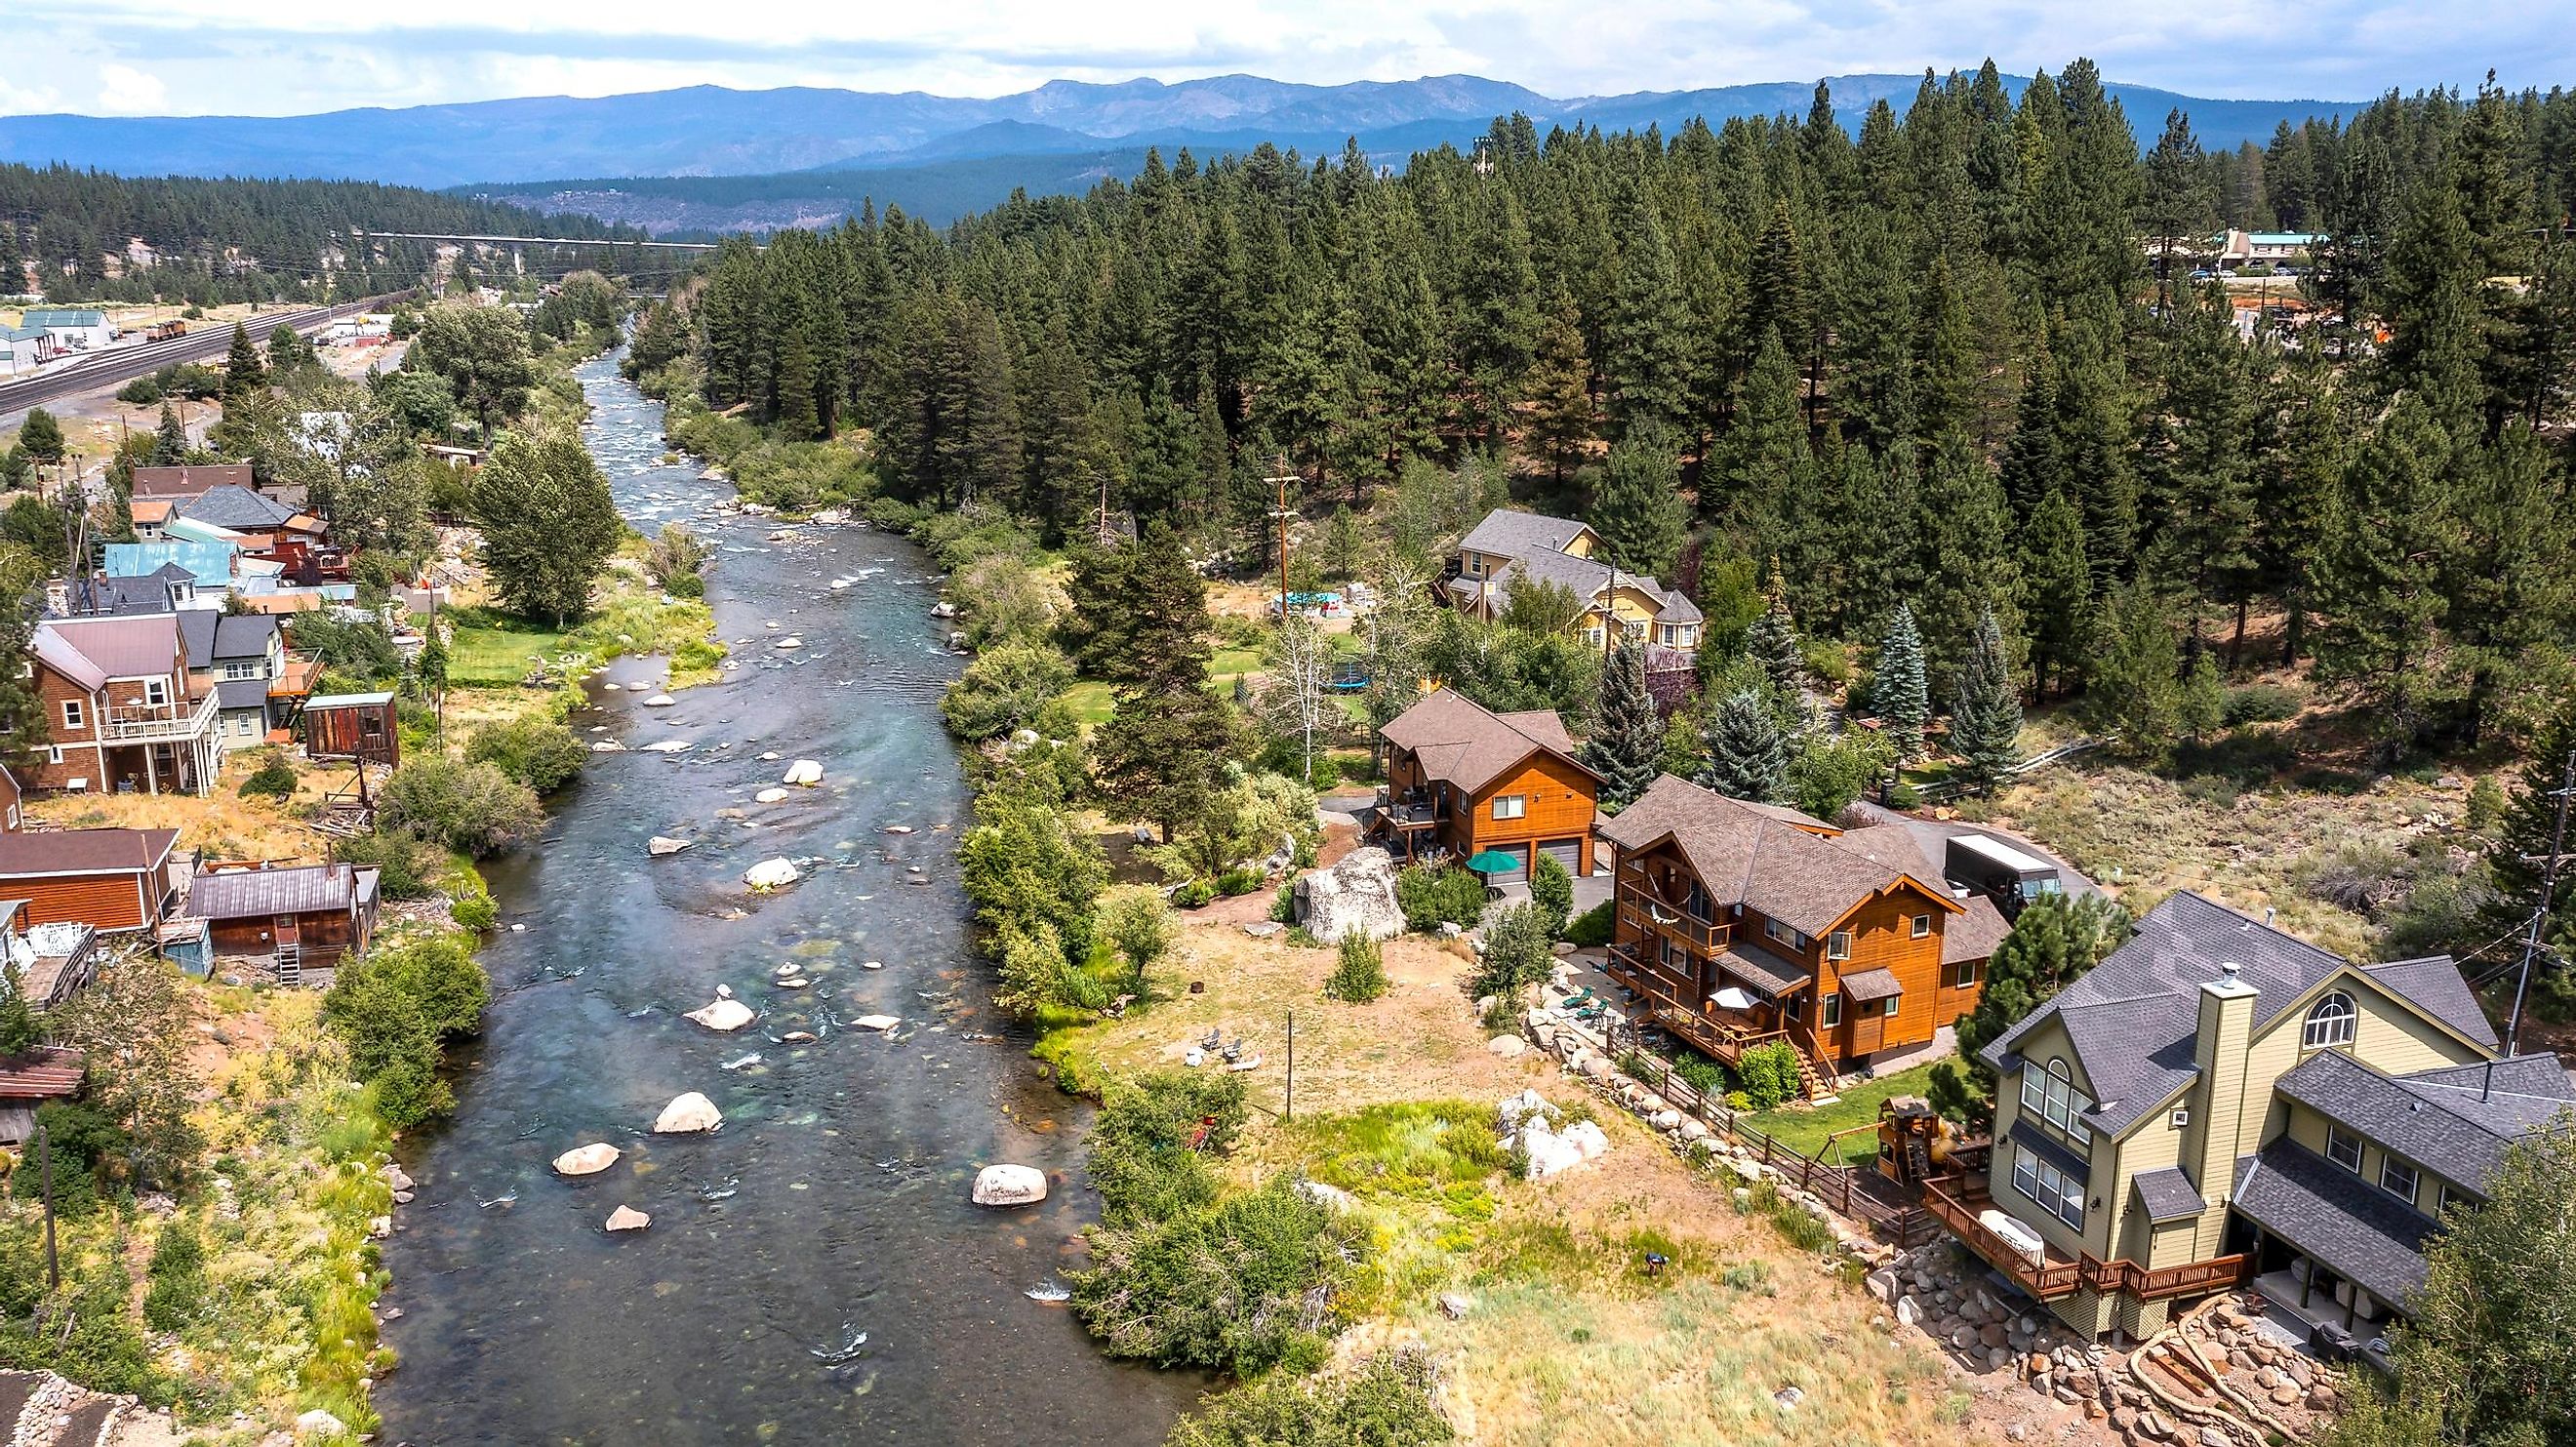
354,726
28,1081
1462,780
1747,923
304,916
109,879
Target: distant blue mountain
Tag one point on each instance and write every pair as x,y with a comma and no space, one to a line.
712,131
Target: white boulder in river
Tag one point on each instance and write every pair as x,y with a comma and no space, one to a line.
805,772
770,874
770,796
627,1218
724,1016
1010,1186
587,1160
687,1115
662,844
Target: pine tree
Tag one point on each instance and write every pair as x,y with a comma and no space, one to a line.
242,368
1168,738
1985,725
1765,457
1965,537
1747,757
1627,744
2378,576
2136,673
1646,338
169,440
41,438
1637,505
1900,691
2054,940
1560,419
2056,592
2521,845
1772,641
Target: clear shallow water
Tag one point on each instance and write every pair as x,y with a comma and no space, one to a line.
834,1200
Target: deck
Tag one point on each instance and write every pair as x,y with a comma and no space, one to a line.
1956,1201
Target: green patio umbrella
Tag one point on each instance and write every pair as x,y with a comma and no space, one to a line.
1493,861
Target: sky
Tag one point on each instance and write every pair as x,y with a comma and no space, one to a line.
289,57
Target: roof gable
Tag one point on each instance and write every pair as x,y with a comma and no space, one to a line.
1463,744
1757,857
1510,533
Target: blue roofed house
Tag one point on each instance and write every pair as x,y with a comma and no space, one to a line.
2218,1102
74,329
208,564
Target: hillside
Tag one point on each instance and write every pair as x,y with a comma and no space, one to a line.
713,131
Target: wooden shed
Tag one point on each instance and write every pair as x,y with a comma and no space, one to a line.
28,1081
306,916
357,726
108,879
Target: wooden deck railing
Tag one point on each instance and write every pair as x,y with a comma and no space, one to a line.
2054,1278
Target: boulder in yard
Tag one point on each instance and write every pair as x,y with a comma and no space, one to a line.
1010,1186
770,874
687,1115
723,1016
1354,897
1507,1046
587,1160
318,1423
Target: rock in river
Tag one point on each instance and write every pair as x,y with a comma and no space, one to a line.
1010,1186
687,1115
770,796
723,1015
770,874
662,844
804,772
660,700
587,1160
627,1218
877,1022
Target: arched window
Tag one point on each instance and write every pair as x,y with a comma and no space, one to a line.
2330,1023
2051,1095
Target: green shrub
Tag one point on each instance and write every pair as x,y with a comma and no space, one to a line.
406,864
475,910
472,808
394,1007
1770,1073
2487,805
1435,895
2261,703
1004,689
141,392
1552,890
1361,975
1700,1073
1150,1142
537,752
1193,894
1242,1286
1240,881
1283,906
1519,952
1389,1402
178,1277
1590,929
274,778
1739,1102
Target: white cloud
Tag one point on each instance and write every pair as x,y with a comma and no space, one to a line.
125,90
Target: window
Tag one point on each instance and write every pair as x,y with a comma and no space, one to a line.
2330,1023
1838,945
1476,564
1511,806
2446,1196
2051,1095
1829,1012
1773,929
74,715
1795,1007
2180,1119
2343,1148
1922,925
240,670
1892,1002
2056,1193
2397,1178
1963,975
156,691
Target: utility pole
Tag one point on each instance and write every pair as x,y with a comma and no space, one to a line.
2540,909
1281,514
45,1172
1288,1106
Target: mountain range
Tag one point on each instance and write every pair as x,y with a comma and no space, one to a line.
713,131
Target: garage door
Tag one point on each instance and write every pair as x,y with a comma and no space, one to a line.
1519,872
1568,852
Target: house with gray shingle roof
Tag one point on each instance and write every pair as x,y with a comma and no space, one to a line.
1463,780
2219,1102
1511,547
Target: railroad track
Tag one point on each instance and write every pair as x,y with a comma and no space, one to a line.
102,371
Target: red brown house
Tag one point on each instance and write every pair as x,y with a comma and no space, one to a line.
303,916
108,879
118,708
1464,780
1747,923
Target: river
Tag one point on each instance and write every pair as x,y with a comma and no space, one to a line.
833,1202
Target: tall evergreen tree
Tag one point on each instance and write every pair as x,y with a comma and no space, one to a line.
1169,737
1900,691
1560,422
2056,592
1747,756
1637,504
1627,744
1985,724
242,368
1772,641
169,440
2379,575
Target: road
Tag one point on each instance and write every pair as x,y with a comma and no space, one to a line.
104,371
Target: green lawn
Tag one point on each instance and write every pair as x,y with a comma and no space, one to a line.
491,650
1805,1131
1091,702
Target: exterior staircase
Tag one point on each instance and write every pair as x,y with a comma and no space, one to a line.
290,963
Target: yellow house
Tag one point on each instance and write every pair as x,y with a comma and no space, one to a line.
1510,546
2218,1101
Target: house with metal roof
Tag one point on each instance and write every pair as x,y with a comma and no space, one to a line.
301,918
107,879
118,709
241,658
191,480
209,565
1463,780
1741,924
23,349
74,329
1511,547
28,1081
2217,1101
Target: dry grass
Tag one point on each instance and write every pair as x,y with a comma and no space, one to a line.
1566,1335
223,824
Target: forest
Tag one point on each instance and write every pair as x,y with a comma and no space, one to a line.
70,236
1957,361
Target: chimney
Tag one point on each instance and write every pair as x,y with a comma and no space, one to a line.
2220,1131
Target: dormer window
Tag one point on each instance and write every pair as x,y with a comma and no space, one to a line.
2331,1022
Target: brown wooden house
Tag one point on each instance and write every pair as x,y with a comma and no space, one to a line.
1746,923
1462,780
304,916
358,726
108,879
